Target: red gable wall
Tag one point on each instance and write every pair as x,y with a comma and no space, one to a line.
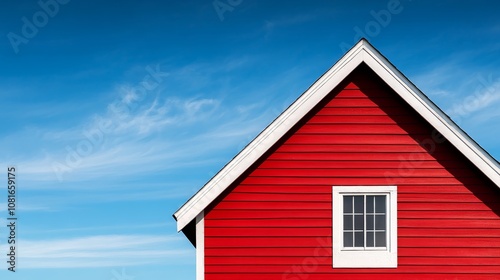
276,222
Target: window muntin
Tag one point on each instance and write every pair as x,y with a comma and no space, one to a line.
365,222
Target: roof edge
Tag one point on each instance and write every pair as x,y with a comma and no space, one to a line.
362,51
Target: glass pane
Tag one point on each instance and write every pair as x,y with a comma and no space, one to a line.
380,204
348,239
358,204
370,239
370,206
369,222
380,222
347,222
380,239
358,222
359,239
347,203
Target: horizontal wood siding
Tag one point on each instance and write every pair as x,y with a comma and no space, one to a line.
276,223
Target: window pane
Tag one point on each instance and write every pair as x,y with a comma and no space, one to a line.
369,222
370,239
359,204
359,239
380,204
365,221
347,203
380,222
380,239
358,222
370,203
348,239
347,222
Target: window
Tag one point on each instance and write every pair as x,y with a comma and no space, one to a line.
365,226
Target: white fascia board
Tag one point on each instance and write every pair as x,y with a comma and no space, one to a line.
432,114
361,52
267,138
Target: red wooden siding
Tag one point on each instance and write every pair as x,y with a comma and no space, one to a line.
276,223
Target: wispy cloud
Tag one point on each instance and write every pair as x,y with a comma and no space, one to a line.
478,102
156,115
124,142
157,133
135,133
99,194
469,93
100,251
435,81
94,229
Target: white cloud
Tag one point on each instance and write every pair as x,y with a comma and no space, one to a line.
119,138
100,251
163,224
123,117
157,135
136,135
435,79
478,105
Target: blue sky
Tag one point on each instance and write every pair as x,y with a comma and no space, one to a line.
115,114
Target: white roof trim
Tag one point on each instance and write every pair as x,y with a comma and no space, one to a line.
361,52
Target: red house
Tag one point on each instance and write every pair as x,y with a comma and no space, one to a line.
362,177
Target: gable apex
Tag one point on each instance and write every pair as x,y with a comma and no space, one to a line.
361,53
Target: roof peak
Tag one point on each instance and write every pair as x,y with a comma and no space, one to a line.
361,52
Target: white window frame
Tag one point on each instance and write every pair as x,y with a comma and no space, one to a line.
364,258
